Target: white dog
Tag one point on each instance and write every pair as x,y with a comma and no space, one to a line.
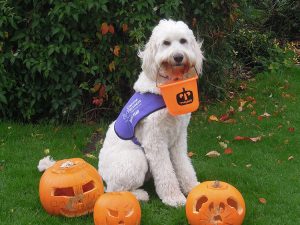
163,138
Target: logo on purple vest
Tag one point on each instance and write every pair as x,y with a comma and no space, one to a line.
138,107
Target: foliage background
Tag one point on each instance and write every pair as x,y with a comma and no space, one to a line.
68,60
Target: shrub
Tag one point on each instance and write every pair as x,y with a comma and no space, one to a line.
62,60
281,17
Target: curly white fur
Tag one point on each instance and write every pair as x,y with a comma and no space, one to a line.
124,165
45,163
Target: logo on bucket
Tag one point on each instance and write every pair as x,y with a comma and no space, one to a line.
185,97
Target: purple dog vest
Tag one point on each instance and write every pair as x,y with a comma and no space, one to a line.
138,107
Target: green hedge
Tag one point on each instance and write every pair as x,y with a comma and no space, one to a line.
64,60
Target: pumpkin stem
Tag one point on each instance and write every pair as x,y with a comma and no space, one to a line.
216,184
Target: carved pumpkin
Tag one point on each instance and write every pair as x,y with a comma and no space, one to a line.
117,208
70,188
215,203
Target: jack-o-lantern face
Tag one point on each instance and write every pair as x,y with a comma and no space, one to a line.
117,208
215,203
185,97
70,188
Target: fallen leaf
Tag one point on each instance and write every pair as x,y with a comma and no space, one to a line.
242,103
46,151
248,165
250,99
231,94
291,129
231,110
255,139
213,154
90,156
233,164
191,154
224,117
253,113
223,144
213,118
250,106
262,200
286,95
290,157
243,86
228,151
260,118
286,141
239,138
204,108
267,115
230,121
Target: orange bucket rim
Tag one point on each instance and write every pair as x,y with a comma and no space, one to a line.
177,82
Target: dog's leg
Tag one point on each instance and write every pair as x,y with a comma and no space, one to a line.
185,172
123,166
166,183
125,174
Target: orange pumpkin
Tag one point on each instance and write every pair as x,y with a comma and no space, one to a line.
115,208
215,203
70,188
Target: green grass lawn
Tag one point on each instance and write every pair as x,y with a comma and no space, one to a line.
269,168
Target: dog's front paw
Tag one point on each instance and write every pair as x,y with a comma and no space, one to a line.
187,189
174,201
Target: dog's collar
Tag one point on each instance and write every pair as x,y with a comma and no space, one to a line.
138,107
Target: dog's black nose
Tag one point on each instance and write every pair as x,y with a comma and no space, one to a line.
178,58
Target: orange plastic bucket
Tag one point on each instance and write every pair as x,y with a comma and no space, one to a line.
181,97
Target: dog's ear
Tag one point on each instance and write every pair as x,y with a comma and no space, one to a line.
199,56
148,60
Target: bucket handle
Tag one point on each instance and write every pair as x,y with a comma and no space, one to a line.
196,72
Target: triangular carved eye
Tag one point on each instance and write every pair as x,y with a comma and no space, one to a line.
88,186
234,204
113,213
199,203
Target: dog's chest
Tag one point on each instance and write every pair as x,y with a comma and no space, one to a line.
163,126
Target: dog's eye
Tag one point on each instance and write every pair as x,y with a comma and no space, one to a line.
166,43
182,41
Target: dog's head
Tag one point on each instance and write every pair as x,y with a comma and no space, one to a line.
171,50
